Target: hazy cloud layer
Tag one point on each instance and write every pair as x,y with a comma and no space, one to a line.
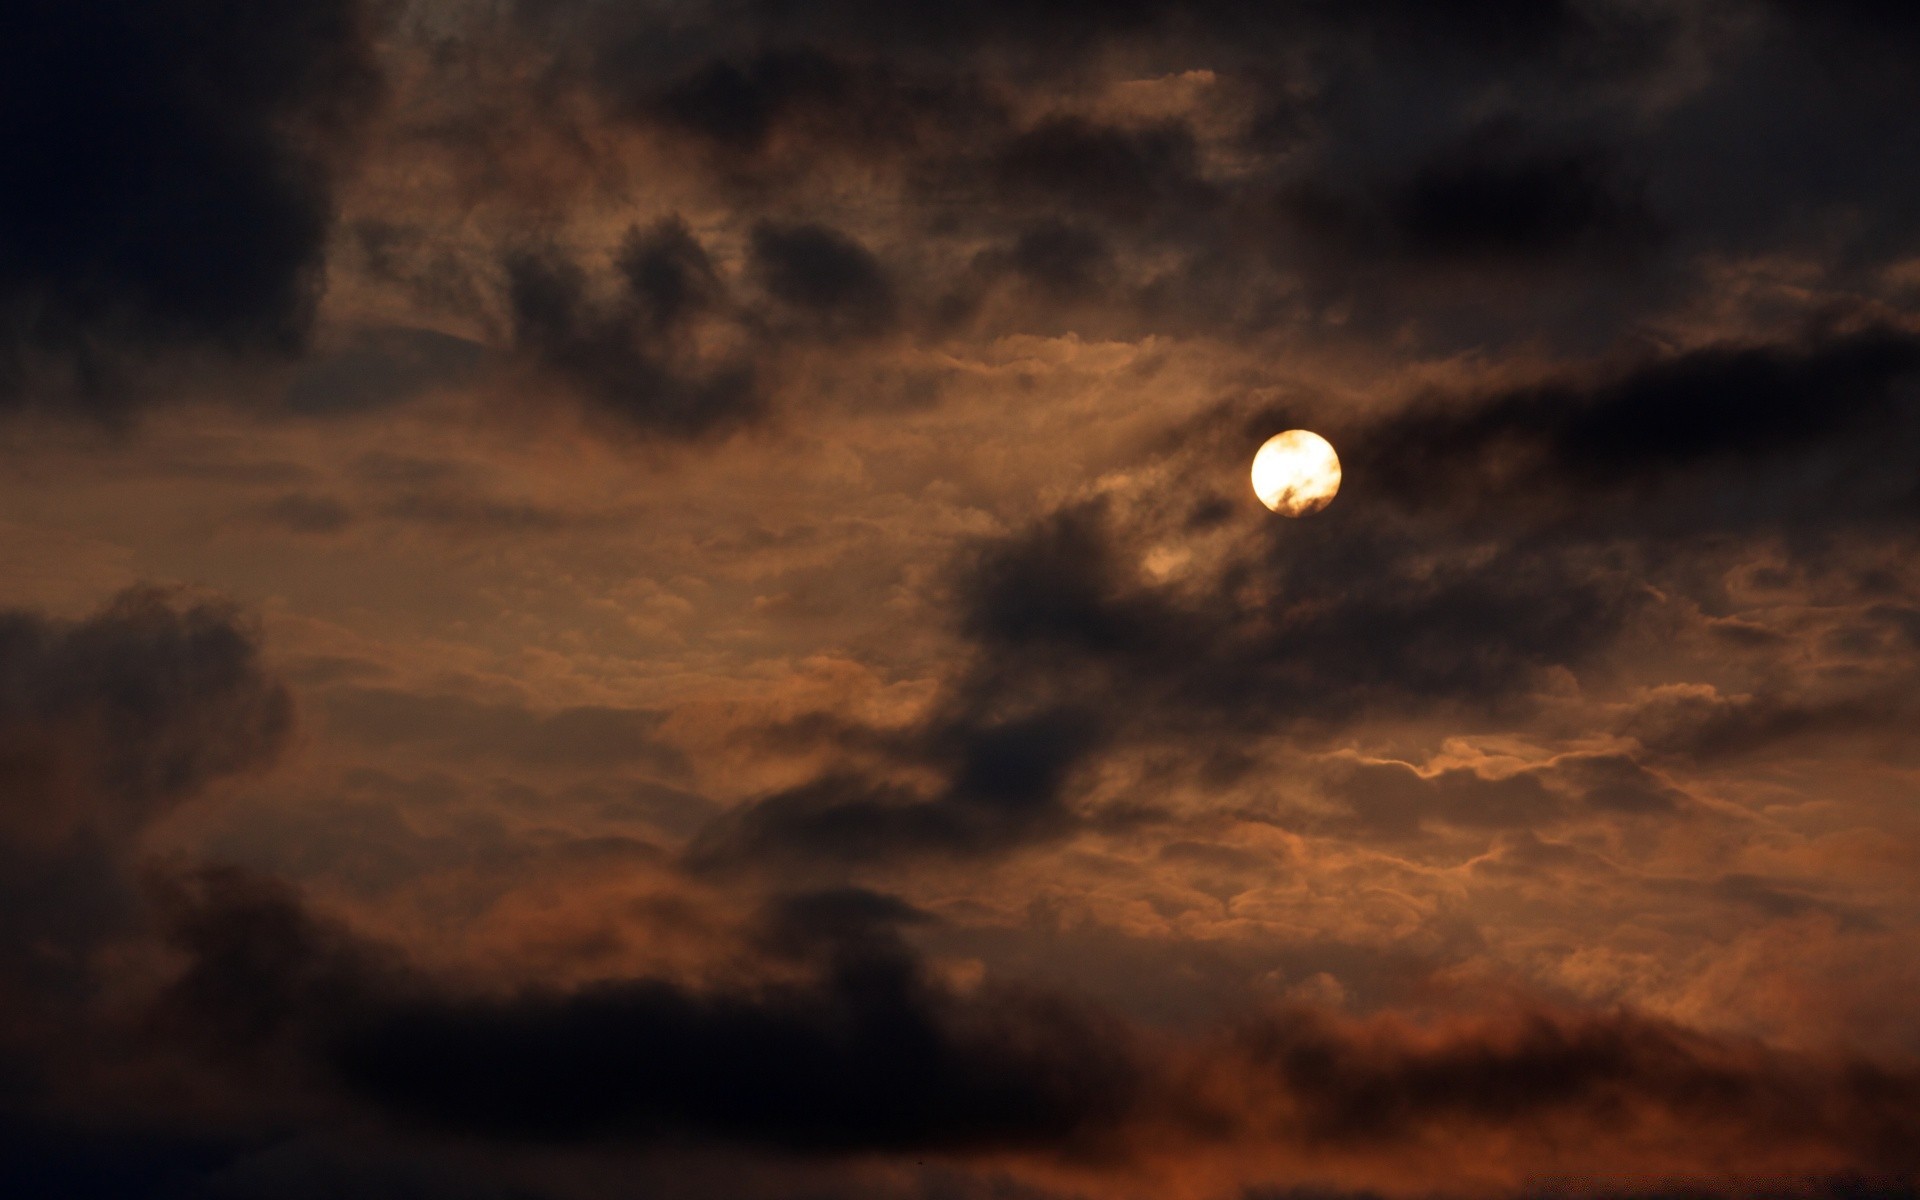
795,696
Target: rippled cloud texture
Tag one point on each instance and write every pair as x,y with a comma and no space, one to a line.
612,599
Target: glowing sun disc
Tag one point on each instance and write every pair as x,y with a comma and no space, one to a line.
1296,473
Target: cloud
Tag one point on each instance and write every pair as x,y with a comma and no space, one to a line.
825,276
257,962
1371,1083
1072,649
807,98
377,367
1065,261
303,512
1384,801
112,720
632,356
1002,782
864,1051
1481,202
1784,434
1591,684
1704,726
869,1054
106,724
1126,175
171,185
1327,621
602,737
1506,547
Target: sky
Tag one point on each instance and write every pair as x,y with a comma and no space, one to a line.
610,599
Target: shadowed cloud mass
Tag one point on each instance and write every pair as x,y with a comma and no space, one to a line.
612,599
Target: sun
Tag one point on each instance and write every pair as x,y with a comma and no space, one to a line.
1296,473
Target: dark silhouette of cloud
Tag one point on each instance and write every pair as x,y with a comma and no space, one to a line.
1803,432
1066,261
1126,175
821,100
115,718
629,356
830,279
1476,203
1360,1089
1349,617
169,184
1003,783
106,724
869,1053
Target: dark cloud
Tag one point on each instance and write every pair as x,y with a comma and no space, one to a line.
740,106
106,723
1003,782
869,1055
812,99
828,278
58,904
630,355
810,923
1069,30
1785,434
1478,205
1126,175
1304,624
1617,783
117,717
1073,649
169,183
313,1167
63,1160
1352,161
1380,1085
258,963
1865,20
1705,726
669,276
1500,536
1382,110
1065,261
868,1061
